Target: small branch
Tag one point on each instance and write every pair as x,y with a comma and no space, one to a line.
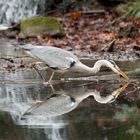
109,47
100,11
86,13
7,59
11,58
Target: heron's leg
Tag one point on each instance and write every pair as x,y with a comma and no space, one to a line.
61,76
49,81
37,64
39,73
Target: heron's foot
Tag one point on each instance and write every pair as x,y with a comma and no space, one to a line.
39,66
47,83
62,79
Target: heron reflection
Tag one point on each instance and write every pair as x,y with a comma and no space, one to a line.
63,102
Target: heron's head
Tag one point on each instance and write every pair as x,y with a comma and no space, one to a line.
116,69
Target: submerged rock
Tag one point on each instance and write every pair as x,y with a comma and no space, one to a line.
40,26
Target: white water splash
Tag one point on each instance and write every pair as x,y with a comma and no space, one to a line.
16,99
16,10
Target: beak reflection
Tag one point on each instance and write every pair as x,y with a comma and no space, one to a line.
119,90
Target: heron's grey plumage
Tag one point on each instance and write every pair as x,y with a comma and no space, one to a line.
54,106
53,57
62,102
61,60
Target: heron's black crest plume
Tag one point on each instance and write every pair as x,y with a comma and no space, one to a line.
112,62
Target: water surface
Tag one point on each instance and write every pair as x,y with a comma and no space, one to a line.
82,108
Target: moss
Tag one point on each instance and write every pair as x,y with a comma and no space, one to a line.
130,31
2,34
42,26
129,9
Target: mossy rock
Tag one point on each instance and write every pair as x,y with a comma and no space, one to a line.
129,9
40,26
2,34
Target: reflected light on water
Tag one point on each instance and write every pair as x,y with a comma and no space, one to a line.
19,103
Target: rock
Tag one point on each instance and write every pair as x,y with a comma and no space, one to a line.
2,34
40,26
136,47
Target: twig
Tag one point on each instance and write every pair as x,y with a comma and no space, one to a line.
100,11
109,47
90,12
7,59
11,57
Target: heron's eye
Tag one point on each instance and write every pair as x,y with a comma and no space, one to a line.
112,62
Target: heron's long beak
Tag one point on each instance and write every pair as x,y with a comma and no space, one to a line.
119,90
119,72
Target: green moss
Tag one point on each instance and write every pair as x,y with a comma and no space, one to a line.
129,9
42,26
2,34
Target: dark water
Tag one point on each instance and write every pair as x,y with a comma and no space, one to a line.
91,108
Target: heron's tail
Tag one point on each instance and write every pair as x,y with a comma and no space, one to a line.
27,47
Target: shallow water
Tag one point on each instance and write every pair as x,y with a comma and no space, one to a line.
82,108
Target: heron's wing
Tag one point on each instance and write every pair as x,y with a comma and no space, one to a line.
54,106
55,58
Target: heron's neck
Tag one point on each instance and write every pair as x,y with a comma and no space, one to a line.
96,94
103,100
95,68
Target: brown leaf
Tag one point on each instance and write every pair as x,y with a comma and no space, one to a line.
75,15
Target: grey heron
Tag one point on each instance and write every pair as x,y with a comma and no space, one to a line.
62,102
61,61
